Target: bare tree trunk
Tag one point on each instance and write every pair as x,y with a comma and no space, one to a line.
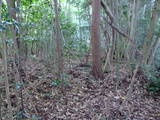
153,51
139,59
0,105
95,42
134,12
0,57
5,70
131,48
12,13
18,47
107,66
151,31
0,10
6,79
132,29
59,46
109,38
130,89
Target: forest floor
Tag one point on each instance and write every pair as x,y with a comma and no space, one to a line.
80,97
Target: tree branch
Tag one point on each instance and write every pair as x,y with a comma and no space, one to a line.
107,11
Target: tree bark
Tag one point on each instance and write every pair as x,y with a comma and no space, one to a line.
59,46
151,31
6,79
153,51
0,10
18,47
95,42
5,70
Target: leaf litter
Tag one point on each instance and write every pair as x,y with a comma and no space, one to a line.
83,97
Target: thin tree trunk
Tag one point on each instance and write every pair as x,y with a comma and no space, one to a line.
5,70
1,105
18,47
114,33
107,66
133,81
130,89
0,10
6,79
95,42
131,48
132,26
59,46
153,52
109,40
0,57
151,31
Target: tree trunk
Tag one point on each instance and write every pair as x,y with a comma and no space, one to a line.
95,42
151,31
0,10
58,39
5,70
153,51
6,79
18,47
131,48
